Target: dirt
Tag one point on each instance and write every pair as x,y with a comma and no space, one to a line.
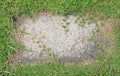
47,37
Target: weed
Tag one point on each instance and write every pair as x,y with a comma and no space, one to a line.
24,32
44,48
67,23
82,23
77,20
33,19
102,24
64,20
48,49
66,30
64,27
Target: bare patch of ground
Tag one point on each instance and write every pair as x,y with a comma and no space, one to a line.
70,39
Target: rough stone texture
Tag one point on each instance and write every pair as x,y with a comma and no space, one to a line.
56,36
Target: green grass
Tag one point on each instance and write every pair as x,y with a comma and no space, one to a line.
10,10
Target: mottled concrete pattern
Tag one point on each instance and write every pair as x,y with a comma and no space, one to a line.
68,39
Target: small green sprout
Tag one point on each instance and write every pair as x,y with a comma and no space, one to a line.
66,30
82,23
97,31
48,49
44,48
33,19
67,23
24,32
102,24
64,20
77,19
64,27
